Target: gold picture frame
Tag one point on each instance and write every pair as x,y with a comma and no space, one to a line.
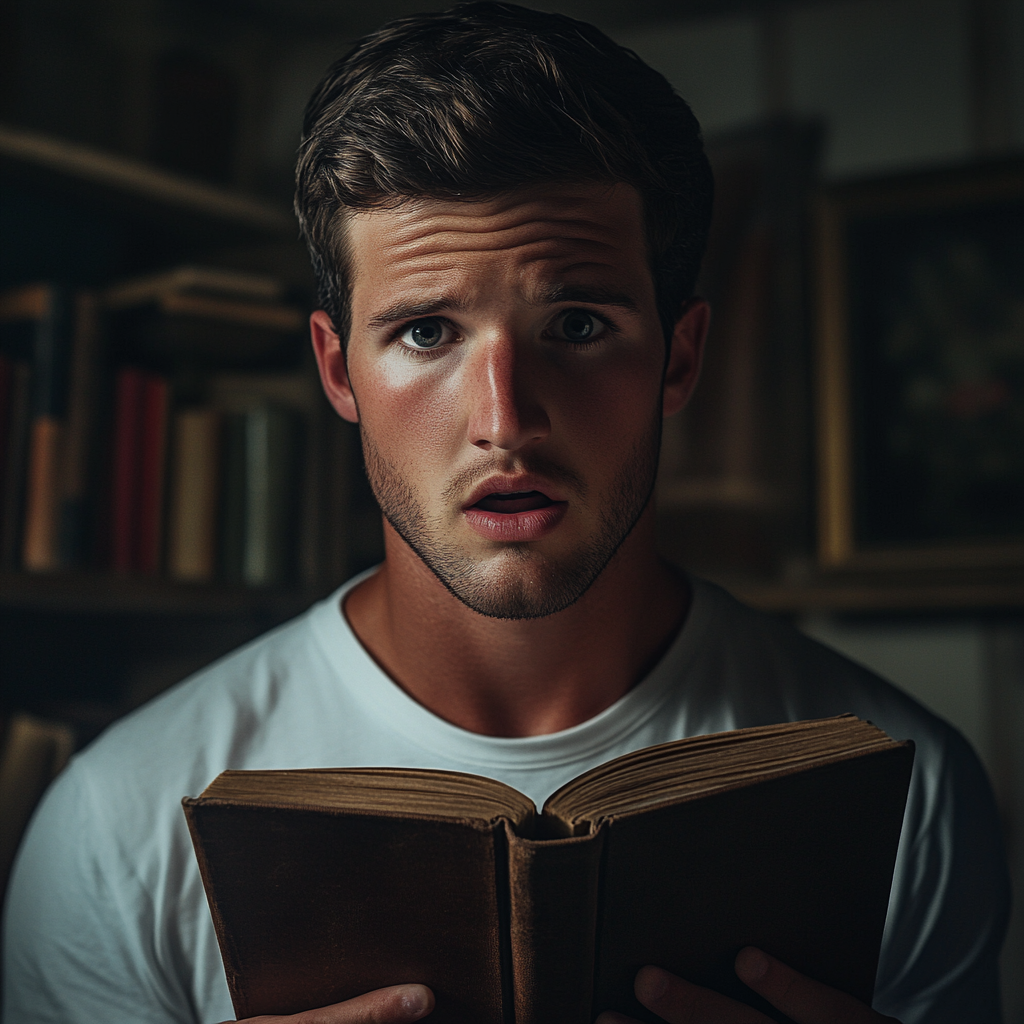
885,422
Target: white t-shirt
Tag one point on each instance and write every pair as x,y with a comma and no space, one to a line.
106,919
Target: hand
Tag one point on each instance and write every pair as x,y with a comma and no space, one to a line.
800,998
398,1004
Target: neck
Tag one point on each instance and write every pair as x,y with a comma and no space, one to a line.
529,677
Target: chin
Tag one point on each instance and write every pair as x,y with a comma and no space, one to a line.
520,581
517,583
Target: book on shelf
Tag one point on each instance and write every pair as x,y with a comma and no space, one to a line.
191,279
233,495
270,443
152,474
295,528
50,335
195,494
37,327
216,317
126,448
79,465
270,448
12,509
231,530
139,469
111,450
327,883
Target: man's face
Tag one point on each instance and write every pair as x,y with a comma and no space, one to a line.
506,361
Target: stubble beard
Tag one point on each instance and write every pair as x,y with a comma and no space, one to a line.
518,582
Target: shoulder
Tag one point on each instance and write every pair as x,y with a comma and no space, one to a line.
950,896
257,707
111,910
767,670
124,790
210,720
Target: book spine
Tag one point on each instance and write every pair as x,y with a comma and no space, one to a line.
124,501
553,926
40,550
50,356
79,462
191,553
233,501
270,496
12,513
152,473
229,953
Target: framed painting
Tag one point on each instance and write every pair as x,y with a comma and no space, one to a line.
920,371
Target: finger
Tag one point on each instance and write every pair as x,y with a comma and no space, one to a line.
611,1017
398,1004
680,1002
804,1000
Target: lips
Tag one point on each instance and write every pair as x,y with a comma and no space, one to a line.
514,512
517,501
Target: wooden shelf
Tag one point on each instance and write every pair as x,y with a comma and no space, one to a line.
108,594
106,176
866,596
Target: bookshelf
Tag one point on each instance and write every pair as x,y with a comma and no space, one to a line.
106,593
872,596
63,634
88,219
93,175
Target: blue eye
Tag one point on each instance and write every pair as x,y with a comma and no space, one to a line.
423,334
580,326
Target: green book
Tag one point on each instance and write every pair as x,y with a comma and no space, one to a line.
271,439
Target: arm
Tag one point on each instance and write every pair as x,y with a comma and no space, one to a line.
950,899
82,945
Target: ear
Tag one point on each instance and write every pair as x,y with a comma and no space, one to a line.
330,360
686,350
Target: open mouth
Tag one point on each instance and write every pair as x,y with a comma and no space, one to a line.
514,501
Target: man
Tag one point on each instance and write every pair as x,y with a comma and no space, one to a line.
506,214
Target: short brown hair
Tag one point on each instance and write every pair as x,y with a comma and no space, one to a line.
486,98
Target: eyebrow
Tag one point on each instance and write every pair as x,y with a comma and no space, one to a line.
594,295
399,311
590,294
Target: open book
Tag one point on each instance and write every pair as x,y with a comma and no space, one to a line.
328,883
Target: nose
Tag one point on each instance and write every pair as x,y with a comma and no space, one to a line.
505,410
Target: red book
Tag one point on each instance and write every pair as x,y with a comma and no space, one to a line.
124,504
152,473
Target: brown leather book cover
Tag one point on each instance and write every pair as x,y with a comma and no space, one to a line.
312,907
783,837
799,866
554,886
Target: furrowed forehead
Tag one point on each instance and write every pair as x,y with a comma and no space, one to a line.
585,227
432,256
591,222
